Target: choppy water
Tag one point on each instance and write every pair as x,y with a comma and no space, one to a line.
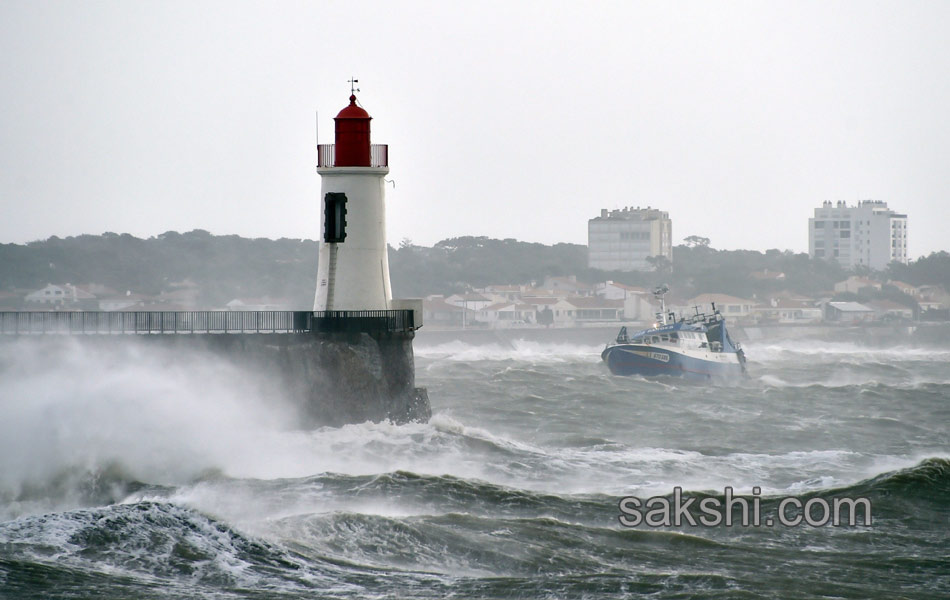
139,477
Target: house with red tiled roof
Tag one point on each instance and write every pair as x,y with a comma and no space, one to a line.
932,297
641,307
856,283
550,311
503,292
61,296
595,309
617,291
848,312
470,300
541,302
784,309
729,306
569,285
437,312
888,309
906,288
508,314
542,293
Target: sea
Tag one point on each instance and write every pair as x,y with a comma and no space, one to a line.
136,475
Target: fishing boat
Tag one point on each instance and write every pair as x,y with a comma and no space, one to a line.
696,346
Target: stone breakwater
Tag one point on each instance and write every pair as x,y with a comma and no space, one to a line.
330,378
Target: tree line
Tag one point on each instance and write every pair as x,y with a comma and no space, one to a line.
222,266
229,266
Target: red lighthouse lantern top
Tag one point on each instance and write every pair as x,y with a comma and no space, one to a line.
352,136
353,111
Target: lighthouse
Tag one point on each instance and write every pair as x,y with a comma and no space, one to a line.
353,267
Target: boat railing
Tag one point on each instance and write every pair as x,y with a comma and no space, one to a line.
702,317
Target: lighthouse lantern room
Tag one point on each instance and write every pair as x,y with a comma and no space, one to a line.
353,268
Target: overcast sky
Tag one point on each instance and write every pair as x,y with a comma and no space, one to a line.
510,119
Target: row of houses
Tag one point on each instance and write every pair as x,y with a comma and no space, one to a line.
556,302
180,296
928,297
565,302
98,297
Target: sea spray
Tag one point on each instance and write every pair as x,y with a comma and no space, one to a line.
70,413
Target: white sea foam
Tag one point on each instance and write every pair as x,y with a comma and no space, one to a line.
519,350
815,350
69,411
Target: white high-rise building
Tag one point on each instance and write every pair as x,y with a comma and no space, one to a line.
622,240
867,235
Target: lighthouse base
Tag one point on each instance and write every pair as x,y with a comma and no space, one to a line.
338,378
335,378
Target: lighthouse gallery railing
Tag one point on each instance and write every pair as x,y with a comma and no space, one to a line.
378,155
205,321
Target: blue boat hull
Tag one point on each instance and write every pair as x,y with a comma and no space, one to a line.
636,359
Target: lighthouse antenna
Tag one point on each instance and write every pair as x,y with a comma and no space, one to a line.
353,89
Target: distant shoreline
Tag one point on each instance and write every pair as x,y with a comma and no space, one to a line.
600,334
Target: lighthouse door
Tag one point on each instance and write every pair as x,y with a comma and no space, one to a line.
334,217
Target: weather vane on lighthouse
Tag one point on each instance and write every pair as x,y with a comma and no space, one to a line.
353,88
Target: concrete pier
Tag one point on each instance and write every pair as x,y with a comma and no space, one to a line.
331,378
335,368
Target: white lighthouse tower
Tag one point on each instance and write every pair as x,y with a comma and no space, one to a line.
353,268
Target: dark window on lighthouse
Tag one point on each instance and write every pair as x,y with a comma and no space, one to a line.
334,217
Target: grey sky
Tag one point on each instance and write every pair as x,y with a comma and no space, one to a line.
510,119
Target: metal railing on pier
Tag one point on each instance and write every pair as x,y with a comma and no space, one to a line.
204,321
360,320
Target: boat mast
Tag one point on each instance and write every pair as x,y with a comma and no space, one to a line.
658,293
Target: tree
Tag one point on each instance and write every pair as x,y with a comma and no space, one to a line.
695,240
661,265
